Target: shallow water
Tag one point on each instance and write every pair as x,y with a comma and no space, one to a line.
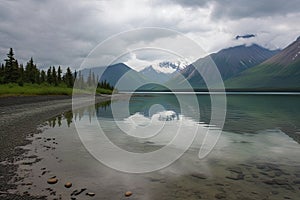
256,156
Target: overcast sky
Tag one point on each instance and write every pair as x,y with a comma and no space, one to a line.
63,32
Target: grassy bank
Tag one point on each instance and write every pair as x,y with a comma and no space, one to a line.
43,89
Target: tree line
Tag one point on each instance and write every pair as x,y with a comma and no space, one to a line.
13,72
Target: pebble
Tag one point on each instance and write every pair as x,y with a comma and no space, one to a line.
91,194
128,194
52,180
68,184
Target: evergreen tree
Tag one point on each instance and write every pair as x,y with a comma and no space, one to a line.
21,77
11,74
75,75
31,71
37,76
21,71
69,80
2,72
54,76
15,72
59,72
43,76
49,76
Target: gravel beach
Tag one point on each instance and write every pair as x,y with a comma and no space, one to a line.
19,118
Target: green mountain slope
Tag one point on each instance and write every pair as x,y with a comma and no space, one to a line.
282,71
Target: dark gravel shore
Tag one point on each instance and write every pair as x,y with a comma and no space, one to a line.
19,118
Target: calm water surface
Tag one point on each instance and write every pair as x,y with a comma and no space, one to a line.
256,157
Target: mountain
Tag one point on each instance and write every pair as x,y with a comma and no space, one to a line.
163,71
280,71
230,62
114,73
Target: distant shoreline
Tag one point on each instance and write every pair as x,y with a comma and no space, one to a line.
216,92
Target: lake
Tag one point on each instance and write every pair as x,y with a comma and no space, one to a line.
256,155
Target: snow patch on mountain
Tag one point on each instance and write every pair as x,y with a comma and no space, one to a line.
168,67
162,71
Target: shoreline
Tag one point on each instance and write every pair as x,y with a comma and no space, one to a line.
20,117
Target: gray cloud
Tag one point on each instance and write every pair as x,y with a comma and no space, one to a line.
192,3
253,9
244,8
63,32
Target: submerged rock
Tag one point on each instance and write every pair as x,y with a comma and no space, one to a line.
52,180
91,194
68,184
128,194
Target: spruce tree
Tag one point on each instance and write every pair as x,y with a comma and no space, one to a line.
59,72
31,72
37,76
49,76
43,76
11,68
2,72
69,80
54,76
21,77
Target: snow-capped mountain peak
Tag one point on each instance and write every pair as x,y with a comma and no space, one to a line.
162,71
169,67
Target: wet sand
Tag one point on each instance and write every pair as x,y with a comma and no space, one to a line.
19,118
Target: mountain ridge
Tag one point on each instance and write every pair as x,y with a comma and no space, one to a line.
280,71
230,62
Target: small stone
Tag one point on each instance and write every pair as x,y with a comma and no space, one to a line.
128,194
52,180
91,194
68,184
